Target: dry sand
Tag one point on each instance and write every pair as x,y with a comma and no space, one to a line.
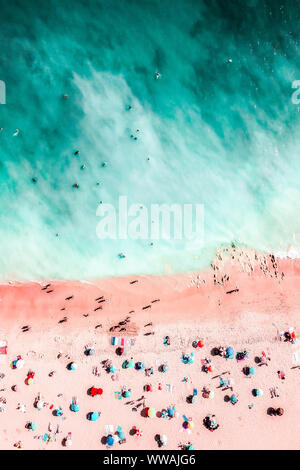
190,305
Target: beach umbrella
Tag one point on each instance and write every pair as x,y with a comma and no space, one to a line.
163,439
139,433
73,366
30,381
164,414
211,395
112,369
230,352
75,407
200,344
191,447
164,368
93,416
252,370
233,399
68,442
151,412
171,411
19,363
33,426
127,394
130,364
259,392
90,352
110,441
191,424
40,404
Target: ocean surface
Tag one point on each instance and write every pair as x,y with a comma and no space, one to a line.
217,127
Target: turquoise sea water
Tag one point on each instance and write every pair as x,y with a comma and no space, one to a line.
218,125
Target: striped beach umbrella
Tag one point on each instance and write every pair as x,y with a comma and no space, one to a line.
139,433
151,412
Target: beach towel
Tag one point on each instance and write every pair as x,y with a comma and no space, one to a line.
109,429
296,357
3,347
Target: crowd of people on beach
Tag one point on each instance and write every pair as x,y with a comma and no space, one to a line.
121,347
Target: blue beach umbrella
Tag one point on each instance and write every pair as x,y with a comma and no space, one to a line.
230,353
93,416
233,399
252,370
110,441
74,407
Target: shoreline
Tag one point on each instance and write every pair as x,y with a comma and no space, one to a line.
249,272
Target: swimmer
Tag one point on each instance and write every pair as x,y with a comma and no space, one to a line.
16,133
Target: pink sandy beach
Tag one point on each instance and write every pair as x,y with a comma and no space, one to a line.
187,306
